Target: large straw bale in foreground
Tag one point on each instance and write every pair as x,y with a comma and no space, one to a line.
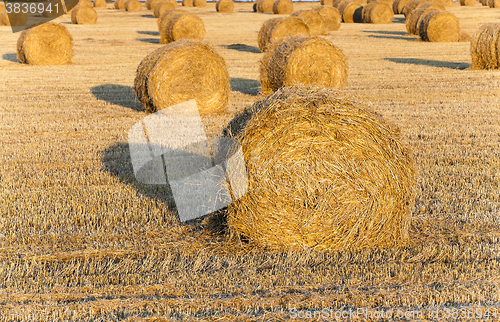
182,26
46,44
181,71
377,13
133,5
277,28
348,9
283,7
439,26
303,60
314,20
83,15
331,16
324,172
224,6
414,19
485,47
161,7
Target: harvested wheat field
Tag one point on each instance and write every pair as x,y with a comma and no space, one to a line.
82,240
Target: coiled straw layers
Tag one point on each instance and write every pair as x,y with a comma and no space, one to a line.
314,20
439,26
414,19
277,28
224,6
331,16
133,5
324,172
485,47
83,15
182,26
282,7
303,60
377,13
181,71
349,10
161,7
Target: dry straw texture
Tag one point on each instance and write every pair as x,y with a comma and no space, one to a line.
56,11
485,47
439,26
150,4
181,71
265,6
467,2
165,17
493,3
348,9
199,3
324,172
100,4
187,3
182,26
46,44
414,19
303,60
224,6
161,7
389,2
12,19
398,5
315,21
277,28
133,5
283,7
377,13
331,16
120,4
413,4
326,2
83,15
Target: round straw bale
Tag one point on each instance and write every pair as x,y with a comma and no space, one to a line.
182,26
464,37
199,3
150,4
447,3
181,71
398,5
165,17
485,47
224,6
187,3
161,7
85,3
467,2
265,6
133,5
439,26
83,15
410,6
326,2
120,4
336,3
303,60
324,172
315,21
389,2
277,28
347,10
331,16
378,13
283,7
492,3
13,19
414,19
45,44
100,4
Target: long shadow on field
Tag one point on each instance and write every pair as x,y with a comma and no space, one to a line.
383,32
399,20
245,86
10,57
394,37
148,16
117,94
150,33
242,47
149,40
429,62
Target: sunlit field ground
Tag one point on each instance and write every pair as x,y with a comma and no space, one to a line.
81,239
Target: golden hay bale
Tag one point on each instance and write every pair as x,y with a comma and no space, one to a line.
277,28
336,3
165,17
414,19
398,5
447,3
182,26
199,3
83,15
389,2
224,6
326,2
265,6
485,47
187,3
181,71
45,44
100,4
314,20
13,19
303,60
133,5
464,37
377,13
85,3
331,16
439,26
413,4
467,2
283,7
492,3
150,4
347,10
120,4
161,7
324,172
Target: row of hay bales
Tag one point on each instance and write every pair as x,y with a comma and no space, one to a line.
490,3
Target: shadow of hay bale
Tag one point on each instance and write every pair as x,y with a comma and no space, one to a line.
429,62
150,33
148,16
409,38
118,95
245,86
10,57
385,32
149,40
243,48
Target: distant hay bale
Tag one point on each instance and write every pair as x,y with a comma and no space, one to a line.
324,172
265,6
283,7
439,26
492,3
182,26
100,4
336,3
85,3
331,16
165,17
150,4
161,7
414,19
326,2
277,28
377,13
303,60
398,5
413,4
187,3
315,21
199,3
181,71
83,15
224,6
347,10
133,5
485,47
13,19
389,2
467,2
447,3
464,37
45,44
120,4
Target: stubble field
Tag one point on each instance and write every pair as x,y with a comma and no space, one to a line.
81,239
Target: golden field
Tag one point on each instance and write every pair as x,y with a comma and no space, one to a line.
82,240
